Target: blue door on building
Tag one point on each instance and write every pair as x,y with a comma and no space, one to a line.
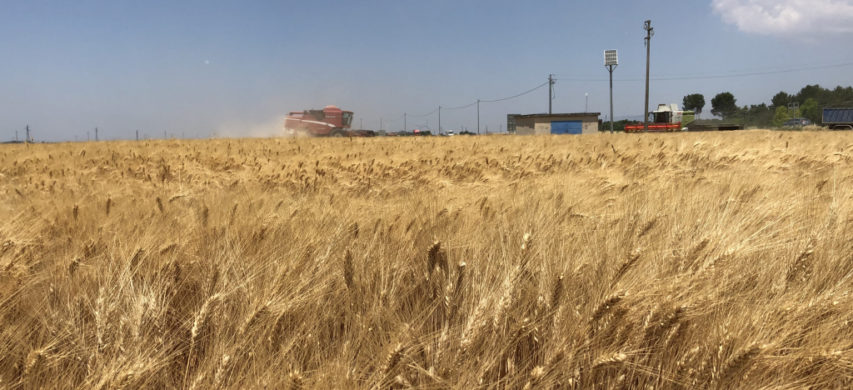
566,127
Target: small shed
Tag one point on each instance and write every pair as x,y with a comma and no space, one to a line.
567,123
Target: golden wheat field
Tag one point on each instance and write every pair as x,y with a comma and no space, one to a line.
673,261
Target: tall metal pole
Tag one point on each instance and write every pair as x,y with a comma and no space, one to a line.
96,134
405,125
29,139
649,30
478,116
439,120
137,135
610,67
550,91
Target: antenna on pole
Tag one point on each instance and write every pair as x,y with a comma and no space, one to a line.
650,32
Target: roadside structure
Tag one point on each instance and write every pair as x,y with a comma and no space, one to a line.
565,123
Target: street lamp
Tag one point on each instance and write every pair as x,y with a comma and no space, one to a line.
611,60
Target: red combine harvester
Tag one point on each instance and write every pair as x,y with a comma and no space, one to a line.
331,121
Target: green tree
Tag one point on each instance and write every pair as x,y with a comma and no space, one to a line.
724,104
810,110
757,115
840,97
815,92
695,102
780,116
781,99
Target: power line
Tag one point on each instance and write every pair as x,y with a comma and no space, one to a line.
721,76
515,96
474,103
423,115
754,73
477,103
459,107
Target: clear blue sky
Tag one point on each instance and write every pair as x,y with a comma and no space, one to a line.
235,68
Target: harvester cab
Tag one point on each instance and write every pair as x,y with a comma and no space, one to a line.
663,114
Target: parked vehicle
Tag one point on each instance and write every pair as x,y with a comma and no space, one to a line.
838,118
796,123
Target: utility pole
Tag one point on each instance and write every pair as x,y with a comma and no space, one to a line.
550,91
439,120
380,124
87,136
96,134
137,135
611,97
405,125
16,135
29,139
586,106
649,33
478,116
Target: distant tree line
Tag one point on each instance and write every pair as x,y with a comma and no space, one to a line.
807,103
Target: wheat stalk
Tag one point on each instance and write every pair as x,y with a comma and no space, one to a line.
738,364
348,270
199,330
606,306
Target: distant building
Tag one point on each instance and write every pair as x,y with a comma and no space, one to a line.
570,123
